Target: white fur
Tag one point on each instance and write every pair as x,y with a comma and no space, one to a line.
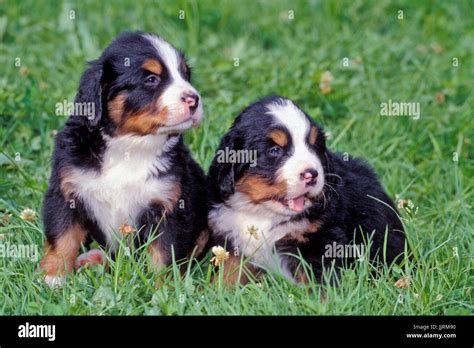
302,158
233,219
54,282
171,97
125,185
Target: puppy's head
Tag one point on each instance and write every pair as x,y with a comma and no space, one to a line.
288,173
140,85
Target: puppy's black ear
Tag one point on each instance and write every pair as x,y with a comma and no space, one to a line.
89,96
222,172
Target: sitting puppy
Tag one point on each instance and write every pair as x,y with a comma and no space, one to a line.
124,168
296,198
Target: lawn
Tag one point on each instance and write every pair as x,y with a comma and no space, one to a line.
240,51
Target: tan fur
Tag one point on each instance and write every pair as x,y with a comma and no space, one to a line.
115,107
153,66
158,259
143,122
170,204
279,137
66,184
300,235
200,243
301,276
60,257
313,135
258,189
184,67
232,269
158,255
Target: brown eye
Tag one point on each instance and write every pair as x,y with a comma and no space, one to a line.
275,150
152,80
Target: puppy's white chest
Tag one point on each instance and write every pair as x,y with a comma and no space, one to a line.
253,234
126,184
254,231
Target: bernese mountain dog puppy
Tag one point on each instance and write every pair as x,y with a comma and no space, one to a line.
124,168
296,198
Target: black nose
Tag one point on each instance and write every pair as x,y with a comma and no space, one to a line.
309,176
192,100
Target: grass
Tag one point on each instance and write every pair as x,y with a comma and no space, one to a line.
428,161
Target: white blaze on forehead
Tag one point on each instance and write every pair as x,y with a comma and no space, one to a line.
168,54
295,121
288,115
178,86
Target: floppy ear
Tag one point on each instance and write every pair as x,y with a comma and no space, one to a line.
89,95
222,172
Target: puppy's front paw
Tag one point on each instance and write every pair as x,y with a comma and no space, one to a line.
90,258
54,282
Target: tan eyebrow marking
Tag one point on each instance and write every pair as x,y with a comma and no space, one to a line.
153,66
184,66
313,135
279,137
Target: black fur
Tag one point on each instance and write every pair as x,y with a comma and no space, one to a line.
81,145
354,206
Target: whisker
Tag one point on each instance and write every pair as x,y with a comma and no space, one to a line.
335,175
332,188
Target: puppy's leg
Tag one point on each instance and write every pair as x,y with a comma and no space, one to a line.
64,234
201,244
61,253
91,258
173,235
237,271
156,224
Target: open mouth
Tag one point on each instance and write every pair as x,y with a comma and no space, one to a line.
295,204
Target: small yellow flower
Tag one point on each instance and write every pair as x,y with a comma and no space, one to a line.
220,255
403,283
439,297
403,203
5,219
326,78
253,231
126,229
436,47
440,97
358,60
325,82
24,71
325,88
28,215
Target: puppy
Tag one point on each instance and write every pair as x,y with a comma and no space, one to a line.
297,199
123,168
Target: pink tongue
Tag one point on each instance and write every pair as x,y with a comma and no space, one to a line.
296,204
